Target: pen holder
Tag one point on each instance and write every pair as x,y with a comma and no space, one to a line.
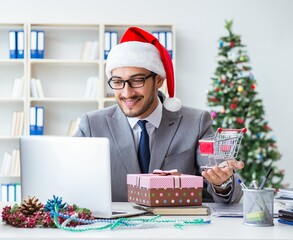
258,207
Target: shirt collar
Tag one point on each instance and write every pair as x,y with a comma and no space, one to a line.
154,118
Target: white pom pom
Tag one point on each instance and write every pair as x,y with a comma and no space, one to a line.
172,104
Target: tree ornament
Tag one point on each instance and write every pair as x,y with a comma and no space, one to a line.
235,100
252,86
217,89
240,88
30,206
223,110
240,120
233,106
213,114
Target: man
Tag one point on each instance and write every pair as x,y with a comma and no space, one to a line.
137,68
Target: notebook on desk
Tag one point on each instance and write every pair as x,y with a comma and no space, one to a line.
76,169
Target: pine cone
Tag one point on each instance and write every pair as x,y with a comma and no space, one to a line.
30,206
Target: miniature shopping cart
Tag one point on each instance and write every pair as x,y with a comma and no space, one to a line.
223,146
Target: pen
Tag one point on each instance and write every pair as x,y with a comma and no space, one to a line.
265,179
262,207
241,184
249,194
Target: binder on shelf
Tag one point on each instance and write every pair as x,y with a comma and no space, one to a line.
107,44
33,121
114,39
20,44
111,39
33,47
12,44
40,120
10,192
4,192
18,192
166,39
162,38
40,44
37,120
156,34
169,43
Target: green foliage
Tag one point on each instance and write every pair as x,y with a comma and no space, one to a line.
235,104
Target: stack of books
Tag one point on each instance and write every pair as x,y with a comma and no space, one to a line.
176,210
285,197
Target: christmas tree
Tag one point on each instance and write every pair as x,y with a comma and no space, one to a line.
235,104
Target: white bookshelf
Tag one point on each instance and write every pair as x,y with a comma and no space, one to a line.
63,72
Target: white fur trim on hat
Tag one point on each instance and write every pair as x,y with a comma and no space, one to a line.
135,54
172,104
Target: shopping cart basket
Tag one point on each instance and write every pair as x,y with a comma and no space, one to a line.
223,146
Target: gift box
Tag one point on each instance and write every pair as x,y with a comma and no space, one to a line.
165,190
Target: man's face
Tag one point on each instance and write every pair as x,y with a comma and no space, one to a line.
137,102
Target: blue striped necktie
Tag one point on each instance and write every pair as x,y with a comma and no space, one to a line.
143,148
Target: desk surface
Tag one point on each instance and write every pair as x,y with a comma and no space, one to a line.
219,228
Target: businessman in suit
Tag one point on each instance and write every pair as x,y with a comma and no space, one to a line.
137,69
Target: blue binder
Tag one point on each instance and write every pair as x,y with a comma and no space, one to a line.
107,44
12,44
40,44
110,40
37,120
33,43
169,43
33,121
20,44
40,120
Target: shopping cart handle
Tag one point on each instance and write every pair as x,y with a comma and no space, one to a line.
243,130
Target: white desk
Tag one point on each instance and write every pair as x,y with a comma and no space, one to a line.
220,228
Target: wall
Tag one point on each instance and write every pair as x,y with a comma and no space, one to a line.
265,27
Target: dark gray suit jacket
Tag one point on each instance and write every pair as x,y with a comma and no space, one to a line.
175,146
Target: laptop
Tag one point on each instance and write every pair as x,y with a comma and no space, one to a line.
76,169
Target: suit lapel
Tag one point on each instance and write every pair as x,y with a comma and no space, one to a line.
124,141
163,137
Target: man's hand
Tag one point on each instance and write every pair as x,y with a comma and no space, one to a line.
217,175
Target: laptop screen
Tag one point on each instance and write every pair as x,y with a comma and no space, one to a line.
76,169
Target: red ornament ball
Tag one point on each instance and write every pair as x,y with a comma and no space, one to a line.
233,106
240,120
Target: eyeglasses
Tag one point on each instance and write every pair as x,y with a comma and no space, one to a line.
135,82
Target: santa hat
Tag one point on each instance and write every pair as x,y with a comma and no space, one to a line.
139,48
